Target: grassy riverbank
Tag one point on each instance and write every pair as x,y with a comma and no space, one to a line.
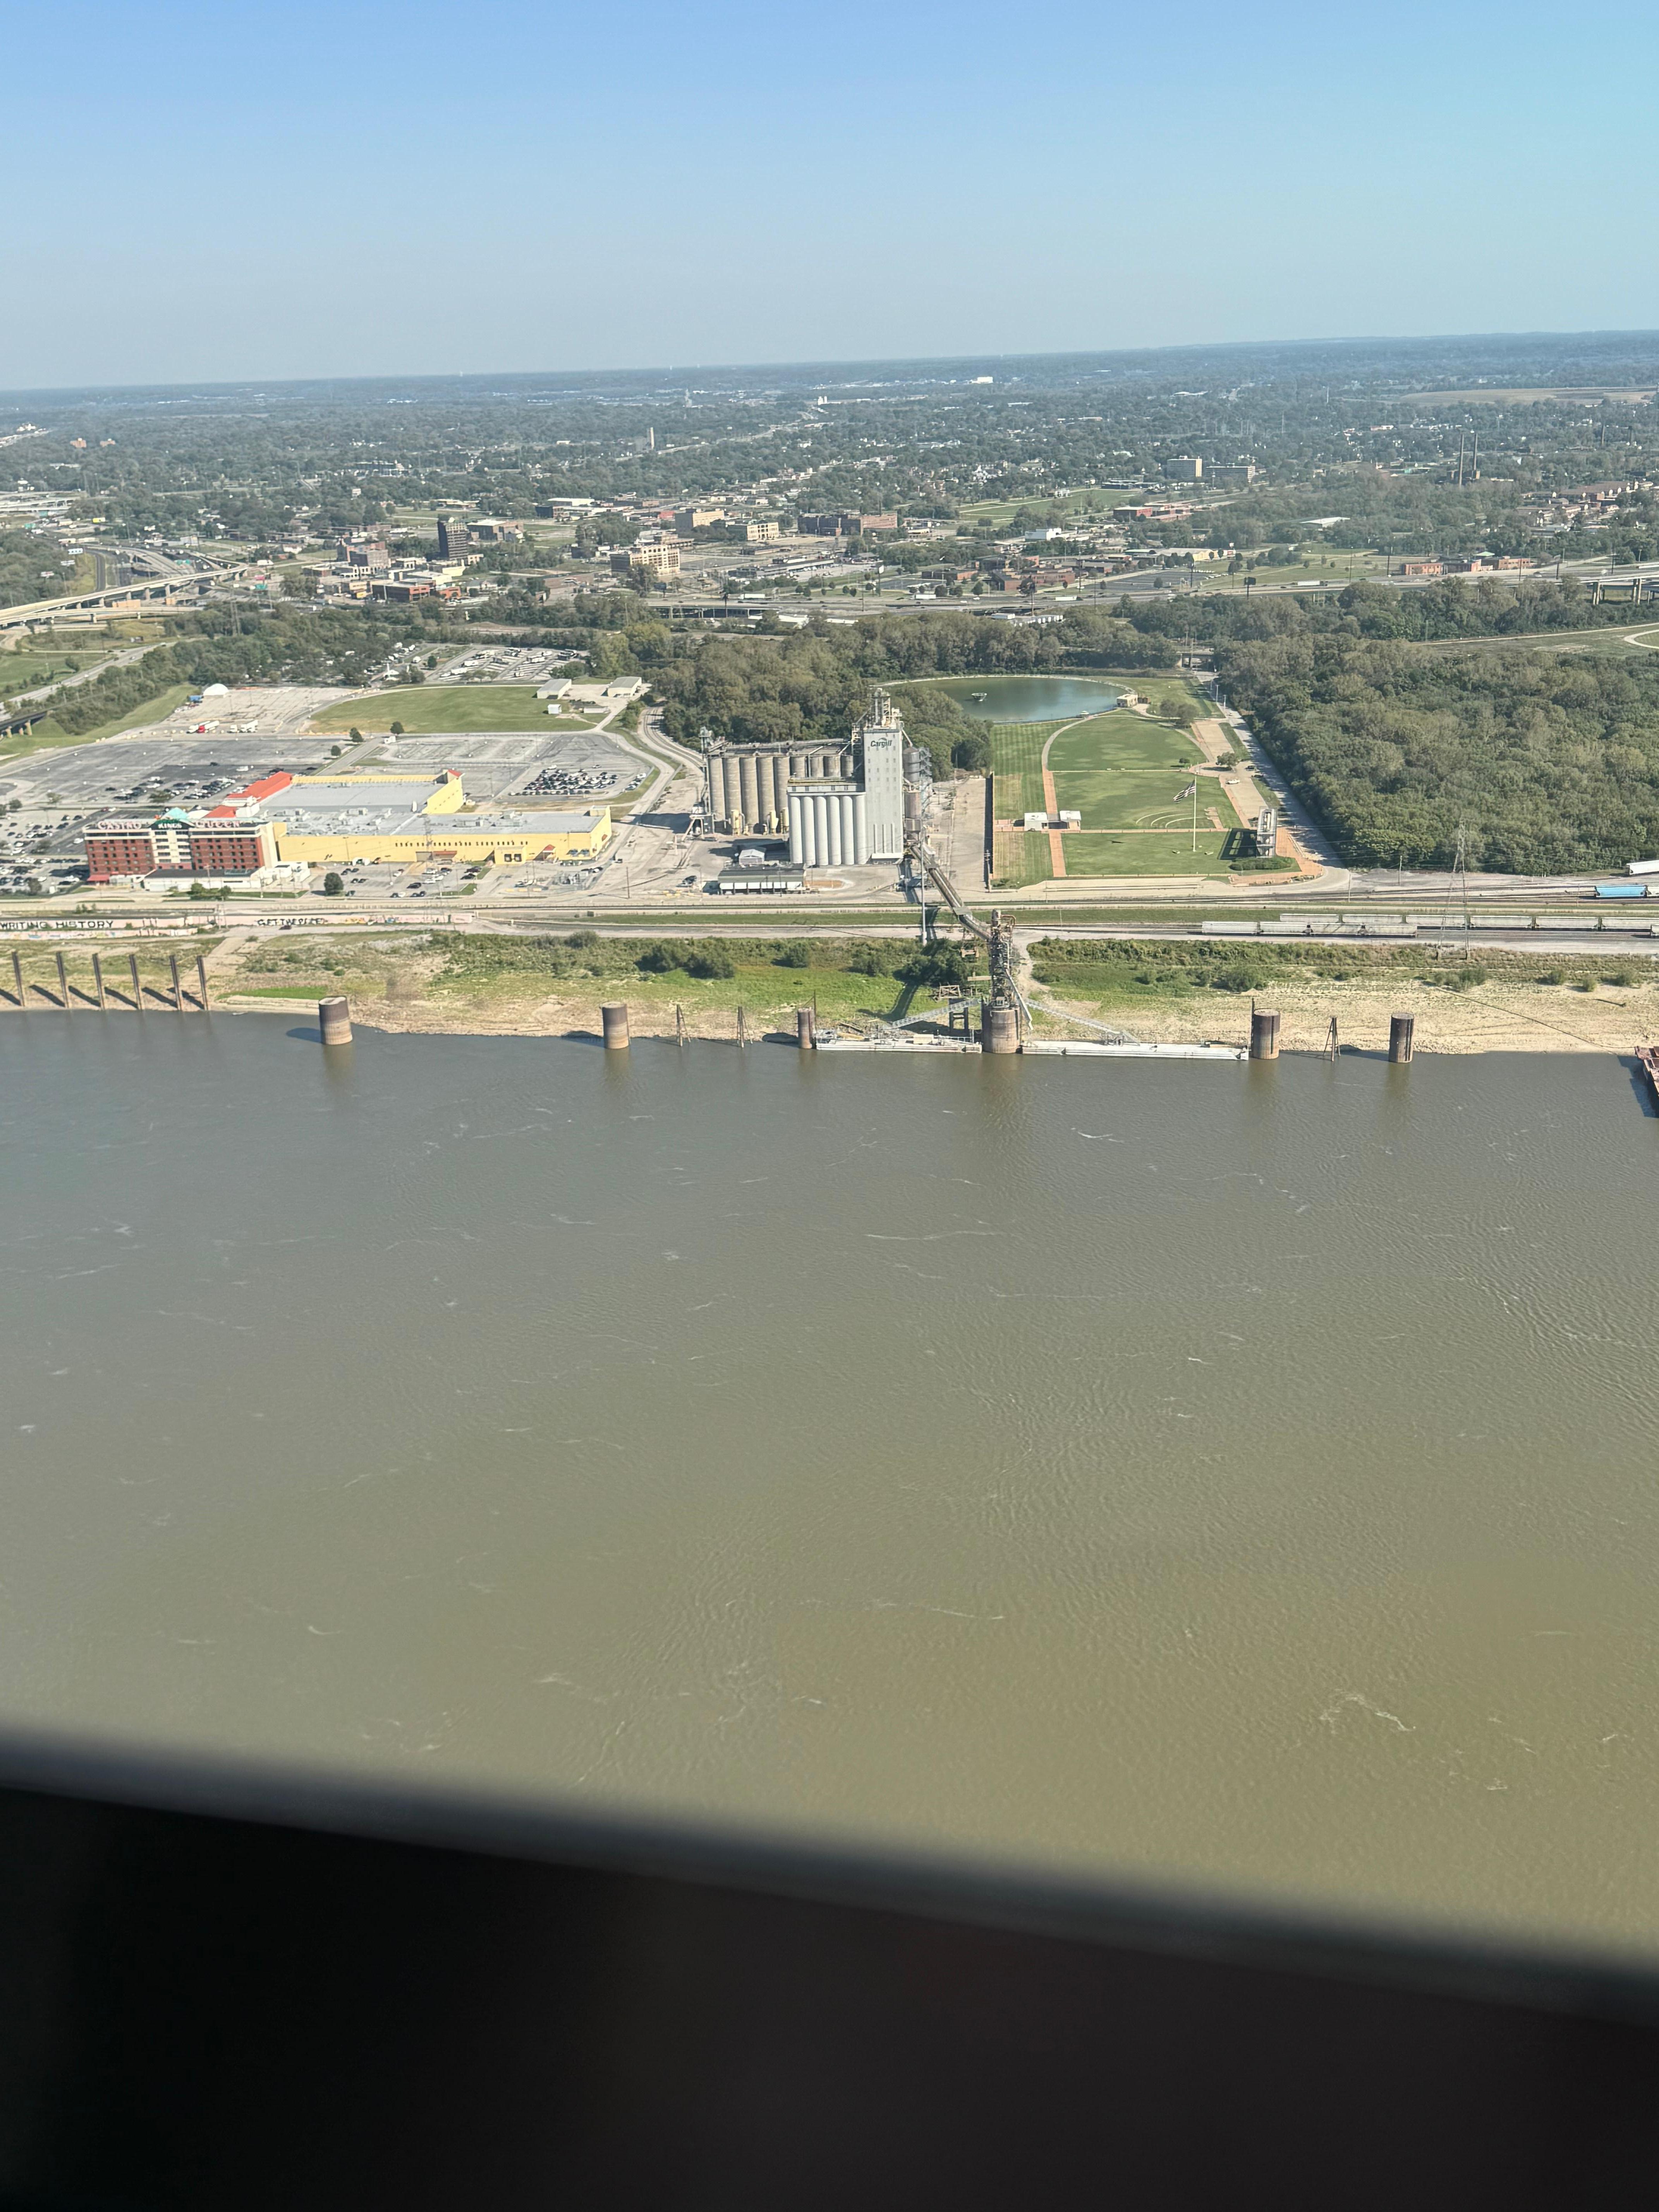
545,985
1163,992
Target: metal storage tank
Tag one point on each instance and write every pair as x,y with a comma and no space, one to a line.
797,835
860,830
844,827
781,786
746,787
766,795
797,764
832,822
820,830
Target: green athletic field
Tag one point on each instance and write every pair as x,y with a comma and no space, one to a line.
1123,773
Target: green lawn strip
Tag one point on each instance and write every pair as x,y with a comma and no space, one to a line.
1108,802
432,708
280,990
1161,692
23,670
1121,741
1023,856
1017,766
49,735
1141,855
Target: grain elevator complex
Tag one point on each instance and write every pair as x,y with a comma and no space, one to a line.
839,806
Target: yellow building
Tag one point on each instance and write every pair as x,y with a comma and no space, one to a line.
338,836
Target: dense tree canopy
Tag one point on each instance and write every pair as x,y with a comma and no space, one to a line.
23,556
813,683
289,644
1484,606
1551,763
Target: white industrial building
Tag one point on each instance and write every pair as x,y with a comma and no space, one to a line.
840,805
881,737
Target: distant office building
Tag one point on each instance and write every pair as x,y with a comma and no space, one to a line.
1187,470
878,522
454,539
697,518
763,532
497,533
1233,473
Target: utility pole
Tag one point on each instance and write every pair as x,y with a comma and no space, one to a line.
1457,882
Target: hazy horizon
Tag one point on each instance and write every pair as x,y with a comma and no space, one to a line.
807,368
375,193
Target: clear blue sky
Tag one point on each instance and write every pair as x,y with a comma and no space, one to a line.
198,191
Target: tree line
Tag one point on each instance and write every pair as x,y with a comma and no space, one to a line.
1484,606
1551,764
810,685
285,645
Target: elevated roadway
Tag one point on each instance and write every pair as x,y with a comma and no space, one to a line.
144,592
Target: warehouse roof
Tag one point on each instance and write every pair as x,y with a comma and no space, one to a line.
400,821
324,796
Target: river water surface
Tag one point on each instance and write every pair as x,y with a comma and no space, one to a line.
1245,1475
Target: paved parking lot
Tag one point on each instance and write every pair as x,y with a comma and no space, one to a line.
123,771
506,664
496,766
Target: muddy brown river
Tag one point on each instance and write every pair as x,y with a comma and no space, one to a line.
1239,1476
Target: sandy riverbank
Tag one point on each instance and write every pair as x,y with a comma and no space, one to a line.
1491,1019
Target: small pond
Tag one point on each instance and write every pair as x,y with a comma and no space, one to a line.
1029,698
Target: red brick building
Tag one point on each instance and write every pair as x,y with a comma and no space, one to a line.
213,844
119,848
